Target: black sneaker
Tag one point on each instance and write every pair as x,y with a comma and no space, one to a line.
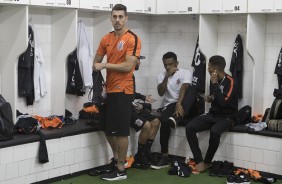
225,169
242,178
215,168
141,162
115,175
97,172
173,168
163,163
173,121
104,169
183,170
230,179
111,166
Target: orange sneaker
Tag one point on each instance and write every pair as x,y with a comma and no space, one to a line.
255,175
239,170
191,163
129,162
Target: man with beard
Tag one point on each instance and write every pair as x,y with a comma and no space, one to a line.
122,48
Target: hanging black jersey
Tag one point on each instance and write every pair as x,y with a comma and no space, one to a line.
25,70
199,73
278,69
236,65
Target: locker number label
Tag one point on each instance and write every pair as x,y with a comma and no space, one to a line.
237,8
68,2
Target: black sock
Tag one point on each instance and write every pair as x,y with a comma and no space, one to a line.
149,143
140,148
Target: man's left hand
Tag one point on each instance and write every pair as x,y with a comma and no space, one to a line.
179,110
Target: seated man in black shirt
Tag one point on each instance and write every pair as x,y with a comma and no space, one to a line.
224,105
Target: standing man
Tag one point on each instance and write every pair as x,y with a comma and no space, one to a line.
172,84
122,48
224,105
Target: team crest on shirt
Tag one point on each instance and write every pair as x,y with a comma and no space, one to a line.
178,81
120,45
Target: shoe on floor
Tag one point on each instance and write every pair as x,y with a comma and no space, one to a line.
242,178
183,170
191,163
163,163
216,167
255,175
225,169
114,176
230,179
173,168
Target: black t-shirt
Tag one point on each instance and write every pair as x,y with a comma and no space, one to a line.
199,73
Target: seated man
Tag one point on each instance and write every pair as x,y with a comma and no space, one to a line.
224,105
142,119
172,84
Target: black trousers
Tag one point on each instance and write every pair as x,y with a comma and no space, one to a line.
216,124
187,102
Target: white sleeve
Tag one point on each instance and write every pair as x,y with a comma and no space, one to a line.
187,77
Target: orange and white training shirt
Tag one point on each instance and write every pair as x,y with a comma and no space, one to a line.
116,48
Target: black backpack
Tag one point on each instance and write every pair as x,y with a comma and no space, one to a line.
6,120
244,115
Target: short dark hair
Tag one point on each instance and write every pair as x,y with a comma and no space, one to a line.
217,62
120,7
170,55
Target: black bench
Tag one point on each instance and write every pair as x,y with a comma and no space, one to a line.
80,127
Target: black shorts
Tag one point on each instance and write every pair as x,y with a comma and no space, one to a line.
116,114
138,119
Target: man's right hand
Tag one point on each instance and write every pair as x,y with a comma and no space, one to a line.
171,71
